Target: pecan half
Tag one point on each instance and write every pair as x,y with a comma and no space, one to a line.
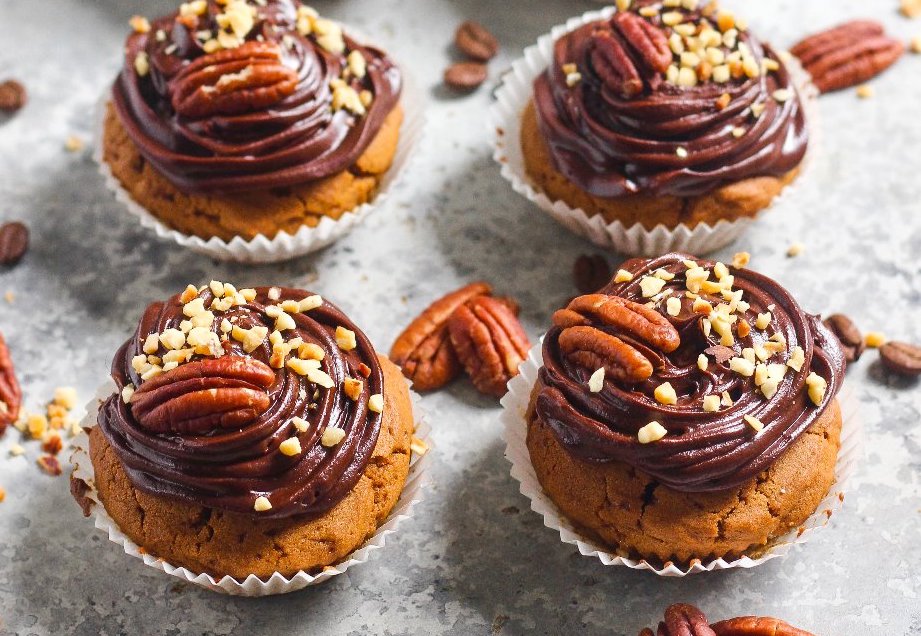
614,66
490,343
10,393
648,41
848,55
757,626
639,321
592,349
848,334
204,395
248,78
682,619
424,351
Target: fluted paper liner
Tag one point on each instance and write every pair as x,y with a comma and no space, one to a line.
515,405
514,94
252,585
283,246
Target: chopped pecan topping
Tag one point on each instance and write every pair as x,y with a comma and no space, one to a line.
848,55
204,395
757,626
490,343
10,393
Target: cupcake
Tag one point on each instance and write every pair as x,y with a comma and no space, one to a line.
672,116
251,432
682,619
242,118
686,411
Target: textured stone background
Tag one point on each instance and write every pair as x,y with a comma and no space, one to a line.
475,560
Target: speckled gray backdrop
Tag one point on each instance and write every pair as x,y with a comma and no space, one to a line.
474,560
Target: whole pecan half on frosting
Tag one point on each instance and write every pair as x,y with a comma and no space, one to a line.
649,42
424,351
489,341
848,55
248,78
204,395
595,325
614,66
10,393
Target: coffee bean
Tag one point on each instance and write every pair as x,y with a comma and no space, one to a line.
12,96
14,241
901,358
465,76
590,273
473,40
848,334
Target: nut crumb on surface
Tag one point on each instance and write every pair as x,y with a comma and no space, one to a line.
875,339
73,144
865,91
795,250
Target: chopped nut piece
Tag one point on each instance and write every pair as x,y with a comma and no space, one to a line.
127,393
596,381
763,320
376,403
703,363
682,153
300,424
916,44
311,302
65,396
332,436
310,351
623,276
290,447
73,144
418,446
712,403
140,24
754,422
652,432
16,450
875,339
353,388
726,399
865,91
650,286
795,250
742,366
284,322
797,358
783,95
910,8
142,64
262,504
741,259
817,387
673,306
345,338
665,394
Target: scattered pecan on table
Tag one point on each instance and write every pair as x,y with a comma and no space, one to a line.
682,619
13,96
848,55
14,242
10,393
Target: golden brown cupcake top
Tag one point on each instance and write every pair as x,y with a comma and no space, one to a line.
668,98
240,95
697,373
262,401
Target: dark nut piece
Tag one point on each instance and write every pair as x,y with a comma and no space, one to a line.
591,273
78,490
10,393
614,66
901,358
14,242
423,351
490,343
848,55
633,319
49,464
852,342
204,395
248,78
592,349
757,626
473,40
465,76
12,96
648,41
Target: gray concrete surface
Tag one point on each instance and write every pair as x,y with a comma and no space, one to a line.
475,560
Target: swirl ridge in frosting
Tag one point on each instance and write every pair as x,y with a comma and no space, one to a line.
751,373
619,119
303,453
303,99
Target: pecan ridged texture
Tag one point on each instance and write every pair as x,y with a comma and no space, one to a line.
590,338
248,78
649,42
203,396
682,619
613,65
10,393
489,341
848,55
424,351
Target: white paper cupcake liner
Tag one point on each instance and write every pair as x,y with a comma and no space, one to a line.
283,246
515,405
252,585
514,94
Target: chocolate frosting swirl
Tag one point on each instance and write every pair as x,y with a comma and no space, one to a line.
296,140
666,139
230,468
702,451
